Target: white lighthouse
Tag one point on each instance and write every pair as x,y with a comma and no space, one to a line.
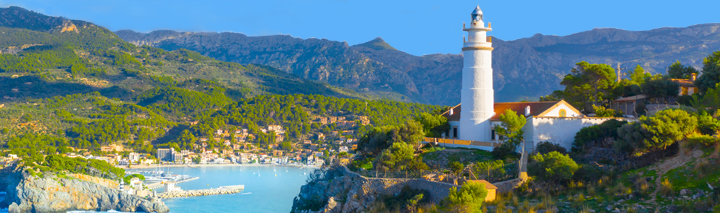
477,95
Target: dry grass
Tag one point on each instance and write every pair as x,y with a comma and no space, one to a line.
666,188
620,189
604,181
586,209
590,189
703,167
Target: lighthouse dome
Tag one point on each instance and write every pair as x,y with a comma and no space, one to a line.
477,14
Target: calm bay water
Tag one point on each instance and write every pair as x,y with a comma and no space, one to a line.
264,193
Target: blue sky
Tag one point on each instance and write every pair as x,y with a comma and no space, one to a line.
418,27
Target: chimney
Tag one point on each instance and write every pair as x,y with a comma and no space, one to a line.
694,76
451,111
527,111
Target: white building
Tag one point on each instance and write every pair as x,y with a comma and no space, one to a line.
134,157
554,121
170,187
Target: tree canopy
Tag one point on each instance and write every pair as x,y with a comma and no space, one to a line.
589,84
710,72
677,70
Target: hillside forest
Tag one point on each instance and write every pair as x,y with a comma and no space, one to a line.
73,87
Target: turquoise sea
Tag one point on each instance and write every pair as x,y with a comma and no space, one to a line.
267,188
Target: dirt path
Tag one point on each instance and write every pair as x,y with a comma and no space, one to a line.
680,159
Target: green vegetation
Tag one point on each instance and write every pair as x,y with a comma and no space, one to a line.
511,127
433,125
127,179
78,90
603,112
61,164
711,73
553,167
468,198
589,84
677,70
656,132
594,135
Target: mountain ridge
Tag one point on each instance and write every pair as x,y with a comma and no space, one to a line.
524,68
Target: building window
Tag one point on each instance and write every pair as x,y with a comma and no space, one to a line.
454,132
494,137
563,113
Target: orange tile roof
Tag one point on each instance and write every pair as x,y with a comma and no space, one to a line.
488,185
683,82
536,109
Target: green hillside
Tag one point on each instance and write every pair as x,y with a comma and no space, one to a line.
67,84
42,61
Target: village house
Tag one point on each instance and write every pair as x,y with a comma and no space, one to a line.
686,85
323,120
112,148
364,120
133,157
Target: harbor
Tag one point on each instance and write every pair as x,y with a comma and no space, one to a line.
175,193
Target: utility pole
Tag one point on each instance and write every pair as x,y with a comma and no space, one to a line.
619,73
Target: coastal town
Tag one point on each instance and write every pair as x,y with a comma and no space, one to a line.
313,151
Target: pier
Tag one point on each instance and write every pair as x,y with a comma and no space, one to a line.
203,192
160,184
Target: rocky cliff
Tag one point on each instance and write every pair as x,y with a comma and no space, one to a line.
528,67
338,190
51,193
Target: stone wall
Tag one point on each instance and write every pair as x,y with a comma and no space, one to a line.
437,190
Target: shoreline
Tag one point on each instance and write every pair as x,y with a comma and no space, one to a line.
208,165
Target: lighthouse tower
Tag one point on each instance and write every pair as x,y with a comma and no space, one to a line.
477,95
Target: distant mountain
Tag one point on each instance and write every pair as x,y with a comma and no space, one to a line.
43,56
523,69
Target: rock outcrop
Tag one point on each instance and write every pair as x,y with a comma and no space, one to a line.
51,193
340,190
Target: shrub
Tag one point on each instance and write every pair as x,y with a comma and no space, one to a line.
603,112
468,198
656,132
707,124
666,188
697,140
588,135
590,173
127,179
456,167
553,167
492,170
433,125
547,147
407,198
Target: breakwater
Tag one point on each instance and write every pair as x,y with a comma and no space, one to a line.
160,184
203,192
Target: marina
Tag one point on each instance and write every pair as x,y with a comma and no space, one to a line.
266,188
